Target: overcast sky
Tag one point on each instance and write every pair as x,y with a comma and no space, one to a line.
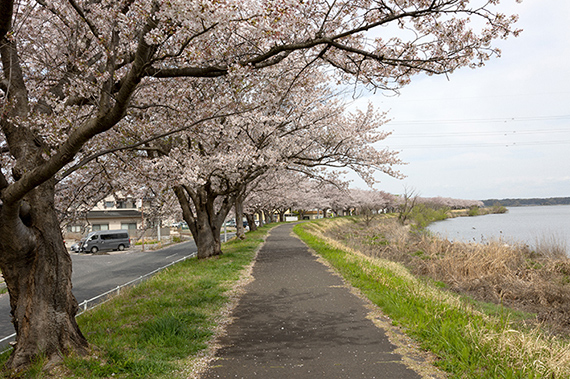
501,131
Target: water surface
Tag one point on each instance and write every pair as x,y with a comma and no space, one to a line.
519,224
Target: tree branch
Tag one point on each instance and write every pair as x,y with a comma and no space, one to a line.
187,42
81,14
56,12
6,13
194,72
15,86
3,181
105,120
187,213
90,158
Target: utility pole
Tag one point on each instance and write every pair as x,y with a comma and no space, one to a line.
158,232
142,222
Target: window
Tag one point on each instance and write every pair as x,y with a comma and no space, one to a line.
114,236
126,204
74,228
97,227
109,204
129,226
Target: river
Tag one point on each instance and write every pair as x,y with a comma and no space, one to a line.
520,224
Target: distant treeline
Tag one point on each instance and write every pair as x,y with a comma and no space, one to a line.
527,202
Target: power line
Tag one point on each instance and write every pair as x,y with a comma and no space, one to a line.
480,133
403,99
508,133
478,145
481,120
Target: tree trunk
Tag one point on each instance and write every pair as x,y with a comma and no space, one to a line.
240,230
207,235
268,217
260,217
37,270
251,221
204,221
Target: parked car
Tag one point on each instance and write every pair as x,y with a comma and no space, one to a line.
106,240
76,247
181,225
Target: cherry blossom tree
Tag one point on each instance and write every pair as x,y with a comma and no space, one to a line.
299,126
271,192
276,192
261,195
370,203
439,202
74,70
306,198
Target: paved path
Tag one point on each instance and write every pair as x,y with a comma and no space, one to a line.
298,320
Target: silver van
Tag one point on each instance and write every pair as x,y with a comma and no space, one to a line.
106,240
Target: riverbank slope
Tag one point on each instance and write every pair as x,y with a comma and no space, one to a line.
485,313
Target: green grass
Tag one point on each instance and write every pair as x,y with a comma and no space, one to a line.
442,323
153,329
422,215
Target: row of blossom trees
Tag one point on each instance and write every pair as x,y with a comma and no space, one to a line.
184,97
290,192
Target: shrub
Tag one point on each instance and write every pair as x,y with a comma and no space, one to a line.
498,208
422,215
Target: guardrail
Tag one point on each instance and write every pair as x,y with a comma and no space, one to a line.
86,305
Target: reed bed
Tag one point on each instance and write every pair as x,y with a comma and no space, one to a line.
532,280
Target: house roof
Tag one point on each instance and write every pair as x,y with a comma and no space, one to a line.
114,214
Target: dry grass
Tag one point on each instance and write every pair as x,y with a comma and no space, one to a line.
533,281
506,274
551,246
533,351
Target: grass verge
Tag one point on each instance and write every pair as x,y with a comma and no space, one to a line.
162,327
470,342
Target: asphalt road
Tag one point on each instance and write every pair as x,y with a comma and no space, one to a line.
299,320
97,274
